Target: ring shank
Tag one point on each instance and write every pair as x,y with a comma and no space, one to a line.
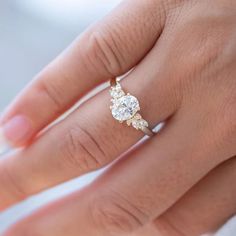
148,132
113,82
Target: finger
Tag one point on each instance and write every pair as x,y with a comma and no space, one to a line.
108,49
205,208
74,215
89,138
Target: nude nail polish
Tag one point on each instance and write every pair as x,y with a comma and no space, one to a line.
16,131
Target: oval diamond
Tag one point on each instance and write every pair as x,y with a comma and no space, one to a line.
125,107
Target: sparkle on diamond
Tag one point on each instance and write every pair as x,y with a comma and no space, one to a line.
125,107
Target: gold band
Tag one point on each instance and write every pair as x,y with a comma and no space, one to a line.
125,107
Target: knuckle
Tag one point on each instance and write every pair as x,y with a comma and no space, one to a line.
53,93
206,42
81,150
104,53
115,215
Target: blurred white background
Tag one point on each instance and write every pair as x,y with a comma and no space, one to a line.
32,33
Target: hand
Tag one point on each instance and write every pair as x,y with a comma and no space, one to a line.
181,180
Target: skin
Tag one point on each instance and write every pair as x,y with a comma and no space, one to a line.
180,182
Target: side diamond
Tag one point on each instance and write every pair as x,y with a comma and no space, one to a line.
137,122
116,91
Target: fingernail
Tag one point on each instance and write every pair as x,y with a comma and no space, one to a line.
16,131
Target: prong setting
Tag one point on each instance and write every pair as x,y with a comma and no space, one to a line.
125,107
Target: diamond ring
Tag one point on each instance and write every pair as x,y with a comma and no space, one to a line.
125,108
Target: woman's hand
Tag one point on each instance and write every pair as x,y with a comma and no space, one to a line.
181,180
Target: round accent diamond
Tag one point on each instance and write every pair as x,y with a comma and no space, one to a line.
125,107
117,92
139,124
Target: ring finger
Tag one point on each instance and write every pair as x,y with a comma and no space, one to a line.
86,141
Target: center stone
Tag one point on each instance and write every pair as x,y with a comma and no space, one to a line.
125,107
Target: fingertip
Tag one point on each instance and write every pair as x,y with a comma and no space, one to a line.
15,132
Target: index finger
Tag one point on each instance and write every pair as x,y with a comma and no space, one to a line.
107,49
